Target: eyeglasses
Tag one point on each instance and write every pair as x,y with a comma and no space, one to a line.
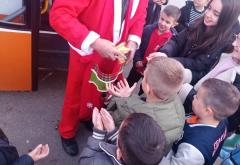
237,38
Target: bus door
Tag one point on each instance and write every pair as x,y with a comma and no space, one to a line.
19,27
53,51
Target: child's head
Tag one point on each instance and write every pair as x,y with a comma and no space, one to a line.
163,77
200,4
219,19
217,99
219,12
168,18
140,141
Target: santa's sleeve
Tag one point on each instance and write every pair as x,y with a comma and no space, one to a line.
138,14
64,20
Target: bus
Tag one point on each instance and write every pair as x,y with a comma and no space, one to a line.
27,44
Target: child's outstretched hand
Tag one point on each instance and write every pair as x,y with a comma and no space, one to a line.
97,119
122,89
40,152
107,120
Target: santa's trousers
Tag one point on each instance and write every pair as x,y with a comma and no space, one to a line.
80,97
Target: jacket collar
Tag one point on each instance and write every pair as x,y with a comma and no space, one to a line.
110,150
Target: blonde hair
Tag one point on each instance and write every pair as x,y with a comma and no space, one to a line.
164,76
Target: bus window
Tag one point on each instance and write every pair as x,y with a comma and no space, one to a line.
13,12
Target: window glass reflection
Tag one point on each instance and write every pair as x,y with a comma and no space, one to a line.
13,12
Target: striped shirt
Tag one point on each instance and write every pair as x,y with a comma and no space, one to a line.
194,14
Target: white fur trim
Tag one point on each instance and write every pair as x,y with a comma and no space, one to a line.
117,20
85,47
136,39
184,91
187,76
134,8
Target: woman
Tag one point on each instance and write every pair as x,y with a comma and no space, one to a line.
199,47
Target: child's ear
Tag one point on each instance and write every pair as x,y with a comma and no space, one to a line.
119,154
210,111
175,24
148,88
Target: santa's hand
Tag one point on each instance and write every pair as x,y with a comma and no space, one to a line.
133,46
106,49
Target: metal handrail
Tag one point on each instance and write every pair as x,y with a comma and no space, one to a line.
12,16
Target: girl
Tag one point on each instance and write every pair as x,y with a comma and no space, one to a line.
199,47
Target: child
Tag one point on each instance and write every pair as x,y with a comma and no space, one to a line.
9,154
204,133
161,81
140,141
153,10
154,37
190,12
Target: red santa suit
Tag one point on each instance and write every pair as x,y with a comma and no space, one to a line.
81,22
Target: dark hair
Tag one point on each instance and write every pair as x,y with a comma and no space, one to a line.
222,97
166,2
172,11
207,41
141,140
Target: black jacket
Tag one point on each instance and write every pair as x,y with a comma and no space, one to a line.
153,16
9,154
180,48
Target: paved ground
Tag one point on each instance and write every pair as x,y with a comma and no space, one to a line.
29,118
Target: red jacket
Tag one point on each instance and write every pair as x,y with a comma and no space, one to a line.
74,20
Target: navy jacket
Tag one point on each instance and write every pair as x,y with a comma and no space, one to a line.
152,16
9,154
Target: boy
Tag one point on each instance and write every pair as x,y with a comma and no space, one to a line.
162,80
205,133
154,37
140,141
190,12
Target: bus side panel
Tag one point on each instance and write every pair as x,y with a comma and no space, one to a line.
15,61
